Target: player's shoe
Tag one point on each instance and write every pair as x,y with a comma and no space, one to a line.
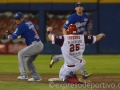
87,75
22,77
51,61
34,80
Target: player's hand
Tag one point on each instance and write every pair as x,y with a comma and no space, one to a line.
7,32
102,35
49,28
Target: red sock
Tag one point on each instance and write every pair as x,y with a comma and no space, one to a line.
72,80
75,76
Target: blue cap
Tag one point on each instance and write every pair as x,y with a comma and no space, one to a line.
78,3
18,15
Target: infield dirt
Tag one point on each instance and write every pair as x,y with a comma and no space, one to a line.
111,80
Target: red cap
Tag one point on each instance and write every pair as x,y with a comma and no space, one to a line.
72,29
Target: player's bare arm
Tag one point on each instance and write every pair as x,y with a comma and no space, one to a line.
100,36
85,32
64,31
49,29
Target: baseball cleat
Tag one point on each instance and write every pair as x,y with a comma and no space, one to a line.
87,75
34,80
51,61
85,81
22,77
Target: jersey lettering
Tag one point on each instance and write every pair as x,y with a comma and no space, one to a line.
36,34
75,47
31,26
73,37
80,24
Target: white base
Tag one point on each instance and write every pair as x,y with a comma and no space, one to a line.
58,79
54,79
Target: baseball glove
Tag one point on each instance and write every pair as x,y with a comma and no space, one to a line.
6,34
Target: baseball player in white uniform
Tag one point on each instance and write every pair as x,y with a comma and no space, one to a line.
82,21
72,47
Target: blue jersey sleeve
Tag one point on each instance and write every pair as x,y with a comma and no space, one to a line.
68,22
17,33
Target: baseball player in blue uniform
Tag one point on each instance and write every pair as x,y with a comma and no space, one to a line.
81,20
26,56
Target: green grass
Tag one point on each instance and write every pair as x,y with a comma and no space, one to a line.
102,64
37,86
97,64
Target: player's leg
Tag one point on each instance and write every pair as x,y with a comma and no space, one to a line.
34,51
32,69
69,74
66,75
84,73
22,65
29,51
55,59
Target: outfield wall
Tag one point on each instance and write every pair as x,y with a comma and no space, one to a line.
107,21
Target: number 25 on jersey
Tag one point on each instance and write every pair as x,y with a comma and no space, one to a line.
74,47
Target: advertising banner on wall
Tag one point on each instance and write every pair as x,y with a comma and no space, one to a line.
3,48
15,48
11,48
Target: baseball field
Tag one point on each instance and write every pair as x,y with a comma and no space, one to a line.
105,71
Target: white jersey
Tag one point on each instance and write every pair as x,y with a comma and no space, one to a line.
73,46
